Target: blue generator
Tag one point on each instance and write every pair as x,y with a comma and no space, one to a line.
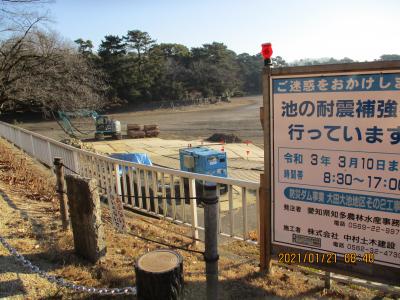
203,160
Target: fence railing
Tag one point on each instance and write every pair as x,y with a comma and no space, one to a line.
163,192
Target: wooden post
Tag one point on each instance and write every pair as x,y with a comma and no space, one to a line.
85,212
265,179
328,280
59,170
159,275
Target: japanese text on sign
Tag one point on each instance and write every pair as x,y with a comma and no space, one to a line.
336,142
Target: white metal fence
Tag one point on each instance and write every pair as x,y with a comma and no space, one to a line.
163,192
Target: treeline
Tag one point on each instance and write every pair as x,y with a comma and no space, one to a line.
137,68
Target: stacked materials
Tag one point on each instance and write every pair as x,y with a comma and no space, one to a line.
137,131
152,130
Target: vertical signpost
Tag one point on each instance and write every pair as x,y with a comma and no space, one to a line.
265,179
335,136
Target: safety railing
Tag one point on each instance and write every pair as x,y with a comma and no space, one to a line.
167,193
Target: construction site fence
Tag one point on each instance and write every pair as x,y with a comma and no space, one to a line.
167,193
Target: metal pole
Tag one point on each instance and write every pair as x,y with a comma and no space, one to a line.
211,257
59,170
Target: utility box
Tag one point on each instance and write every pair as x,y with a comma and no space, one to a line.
203,160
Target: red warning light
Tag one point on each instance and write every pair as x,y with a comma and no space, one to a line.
266,50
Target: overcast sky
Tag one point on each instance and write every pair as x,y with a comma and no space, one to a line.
359,29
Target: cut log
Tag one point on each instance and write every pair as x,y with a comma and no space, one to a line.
134,127
136,134
152,133
159,275
151,127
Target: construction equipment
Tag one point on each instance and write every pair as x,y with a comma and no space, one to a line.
104,125
107,127
206,161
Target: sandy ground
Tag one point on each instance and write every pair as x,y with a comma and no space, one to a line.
240,116
29,220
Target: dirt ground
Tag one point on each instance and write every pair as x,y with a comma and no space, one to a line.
240,116
29,220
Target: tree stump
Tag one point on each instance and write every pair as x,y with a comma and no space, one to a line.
159,275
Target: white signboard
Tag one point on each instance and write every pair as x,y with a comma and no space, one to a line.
336,156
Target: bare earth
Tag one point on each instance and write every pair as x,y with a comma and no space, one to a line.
240,116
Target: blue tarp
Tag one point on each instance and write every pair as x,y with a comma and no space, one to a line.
140,158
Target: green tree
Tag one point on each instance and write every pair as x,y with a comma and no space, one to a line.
84,47
389,57
143,63
170,81
113,61
250,72
214,70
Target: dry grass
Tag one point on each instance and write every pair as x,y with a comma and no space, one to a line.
29,219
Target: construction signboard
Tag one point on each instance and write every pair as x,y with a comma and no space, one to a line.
335,156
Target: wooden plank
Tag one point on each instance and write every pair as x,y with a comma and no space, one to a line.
147,189
124,186
164,194
131,187
193,208
244,210
139,186
155,190
219,207
173,200
182,196
231,216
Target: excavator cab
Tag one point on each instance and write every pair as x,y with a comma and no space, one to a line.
107,127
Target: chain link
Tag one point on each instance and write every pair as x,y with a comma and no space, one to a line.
60,281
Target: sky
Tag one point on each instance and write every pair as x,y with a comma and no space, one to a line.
358,29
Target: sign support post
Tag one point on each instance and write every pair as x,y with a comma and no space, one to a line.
265,179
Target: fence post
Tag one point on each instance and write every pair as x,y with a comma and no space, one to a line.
49,154
211,257
85,211
59,170
33,147
328,280
193,209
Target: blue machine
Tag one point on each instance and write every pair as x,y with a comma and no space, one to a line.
203,160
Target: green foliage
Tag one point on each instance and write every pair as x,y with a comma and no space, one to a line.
84,47
390,57
139,69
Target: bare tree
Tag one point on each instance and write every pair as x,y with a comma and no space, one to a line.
38,69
